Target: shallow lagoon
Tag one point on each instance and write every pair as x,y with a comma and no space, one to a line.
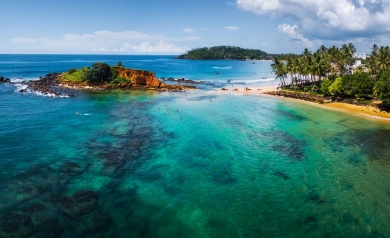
124,164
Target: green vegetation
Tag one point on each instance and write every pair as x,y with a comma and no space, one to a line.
329,72
119,82
382,87
100,73
74,75
223,52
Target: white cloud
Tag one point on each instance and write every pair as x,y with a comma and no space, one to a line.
292,33
192,30
325,18
188,30
20,40
259,6
104,41
144,47
232,28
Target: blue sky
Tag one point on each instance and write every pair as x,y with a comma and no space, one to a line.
175,26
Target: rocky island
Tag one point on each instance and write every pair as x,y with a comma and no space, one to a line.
101,76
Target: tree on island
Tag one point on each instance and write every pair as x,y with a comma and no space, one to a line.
100,73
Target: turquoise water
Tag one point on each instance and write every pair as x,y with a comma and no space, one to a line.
195,164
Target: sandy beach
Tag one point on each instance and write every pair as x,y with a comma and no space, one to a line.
363,111
367,112
252,89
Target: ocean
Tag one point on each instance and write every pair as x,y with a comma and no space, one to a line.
204,163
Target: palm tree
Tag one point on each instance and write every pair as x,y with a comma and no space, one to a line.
280,70
320,65
372,61
383,58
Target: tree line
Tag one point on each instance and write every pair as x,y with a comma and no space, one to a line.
329,71
223,52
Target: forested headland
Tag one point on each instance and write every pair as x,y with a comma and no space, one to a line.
229,52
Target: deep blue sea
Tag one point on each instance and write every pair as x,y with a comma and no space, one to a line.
202,163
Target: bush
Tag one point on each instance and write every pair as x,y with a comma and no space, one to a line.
72,70
114,72
382,87
119,81
325,87
358,85
337,87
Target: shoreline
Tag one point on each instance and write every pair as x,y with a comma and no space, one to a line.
366,112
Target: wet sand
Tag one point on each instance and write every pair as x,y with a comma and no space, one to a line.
363,111
367,112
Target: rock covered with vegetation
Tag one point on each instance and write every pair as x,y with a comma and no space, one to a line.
101,75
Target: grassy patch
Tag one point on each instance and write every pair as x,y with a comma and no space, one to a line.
74,76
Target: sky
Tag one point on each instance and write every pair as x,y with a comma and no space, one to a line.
172,27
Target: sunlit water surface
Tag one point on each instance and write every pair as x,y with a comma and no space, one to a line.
194,164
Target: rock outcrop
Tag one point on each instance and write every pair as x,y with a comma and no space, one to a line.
3,80
141,78
53,85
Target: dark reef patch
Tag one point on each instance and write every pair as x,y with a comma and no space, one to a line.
223,175
286,144
371,142
282,175
291,116
201,98
80,203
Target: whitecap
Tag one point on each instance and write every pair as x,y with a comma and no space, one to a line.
26,89
375,117
226,67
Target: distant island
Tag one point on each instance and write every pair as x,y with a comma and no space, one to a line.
229,52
